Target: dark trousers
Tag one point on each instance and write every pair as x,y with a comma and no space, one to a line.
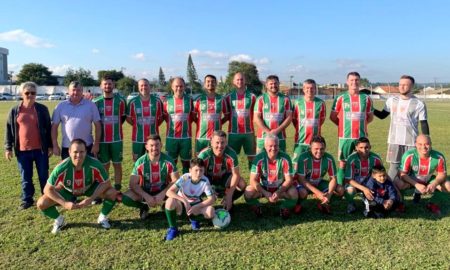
25,161
65,151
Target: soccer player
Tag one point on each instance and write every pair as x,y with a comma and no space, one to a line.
308,117
209,108
78,175
312,166
179,115
273,114
271,177
383,196
76,116
112,109
241,103
351,112
406,111
425,170
187,192
152,175
145,114
357,171
222,169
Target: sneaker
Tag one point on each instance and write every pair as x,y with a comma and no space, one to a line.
257,210
324,208
97,201
400,208
351,208
297,209
104,222
416,197
433,208
195,224
172,233
59,223
143,212
285,213
25,205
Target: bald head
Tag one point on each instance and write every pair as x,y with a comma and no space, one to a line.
423,145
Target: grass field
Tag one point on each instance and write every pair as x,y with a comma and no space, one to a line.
414,240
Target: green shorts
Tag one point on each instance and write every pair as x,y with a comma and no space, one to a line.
220,185
346,148
68,196
201,144
246,141
322,186
110,152
179,147
301,148
138,149
260,145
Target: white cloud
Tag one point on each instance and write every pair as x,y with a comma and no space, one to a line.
262,61
22,36
209,54
247,58
349,63
139,56
60,70
95,51
296,68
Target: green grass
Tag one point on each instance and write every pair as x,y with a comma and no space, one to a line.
416,239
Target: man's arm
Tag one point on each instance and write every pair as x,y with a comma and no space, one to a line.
260,122
362,188
424,127
405,177
56,149
254,182
51,192
97,138
102,187
381,114
136,188
312,188
334,118
287,121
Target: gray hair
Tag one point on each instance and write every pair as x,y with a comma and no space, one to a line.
75,84
28,85
272,137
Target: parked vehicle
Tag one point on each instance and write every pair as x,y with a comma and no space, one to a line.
41,97
7,96
57,96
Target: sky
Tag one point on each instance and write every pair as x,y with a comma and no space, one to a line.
322,40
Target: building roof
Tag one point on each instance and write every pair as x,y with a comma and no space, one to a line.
386,89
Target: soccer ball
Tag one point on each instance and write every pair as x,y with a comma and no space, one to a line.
222,219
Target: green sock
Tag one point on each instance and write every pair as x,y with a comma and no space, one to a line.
130,202
288,203
171,217
51,212
107,207
250,165
237,194
438,197
252,202
340,176
349,197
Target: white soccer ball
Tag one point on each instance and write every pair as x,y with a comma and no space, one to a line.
222,219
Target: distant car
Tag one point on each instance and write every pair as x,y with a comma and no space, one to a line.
7,96
57,96
132,95
41,97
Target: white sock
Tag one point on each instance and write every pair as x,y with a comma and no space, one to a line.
102,217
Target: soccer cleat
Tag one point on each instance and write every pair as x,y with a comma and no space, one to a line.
172,233
143,212
351,208
25,205
297,209
97,201
104,222
433,208
257,210
324,208
416,198
400,208
195,224
59,223
285,213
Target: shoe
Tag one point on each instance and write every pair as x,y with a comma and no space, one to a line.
25,205
58,225
400,208
172,233
117,187
119,197
351,208
368,214
143,212
297,209
104,222
416,197
257,210
433,208
195,224
285,213
378,215
324,208
97,201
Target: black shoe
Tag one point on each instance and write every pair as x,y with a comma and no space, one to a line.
417,197
117,187
143,212
97,201
25,205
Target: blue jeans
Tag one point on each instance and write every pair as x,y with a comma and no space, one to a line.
25,161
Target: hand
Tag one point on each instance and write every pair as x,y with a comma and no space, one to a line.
368,193
85,203
194,210
421,188
267,194
56,150
387,204
159,199
50,152
431,187
95,149
187,206
70,205
323,198
8,155
274,198
274,131
150,200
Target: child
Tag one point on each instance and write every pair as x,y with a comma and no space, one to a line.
385,197
187,192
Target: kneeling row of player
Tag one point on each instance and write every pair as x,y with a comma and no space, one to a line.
272,177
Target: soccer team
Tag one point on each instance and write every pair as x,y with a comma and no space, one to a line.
214,172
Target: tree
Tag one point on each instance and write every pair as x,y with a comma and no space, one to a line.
364,82
37,73
84,76
192,76
250,72
161,78
126,85
113,74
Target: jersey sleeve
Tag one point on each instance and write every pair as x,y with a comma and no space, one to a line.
369,108
287,104
422,112
100,175
405,164
208,189
259,105
56,177
331,167
323,113
56,116
442,167
137,168
349,169
287,166
387,105
336,107
95,113
301,166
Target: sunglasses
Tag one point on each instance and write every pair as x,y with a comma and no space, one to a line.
30,93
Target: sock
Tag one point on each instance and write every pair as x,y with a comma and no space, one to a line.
393,170
349,197
252,202
130,202
340,176
171,217
51,212
288,203
107,207
237,194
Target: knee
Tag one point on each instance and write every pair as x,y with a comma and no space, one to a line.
41,204
292,193
170,204
302,193
339,190
209,213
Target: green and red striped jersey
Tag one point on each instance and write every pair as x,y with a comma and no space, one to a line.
307,118
272,174
209,114
273,111
359,169
178,114
111,112
315,169
146,117
241,107
422,168
217,167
